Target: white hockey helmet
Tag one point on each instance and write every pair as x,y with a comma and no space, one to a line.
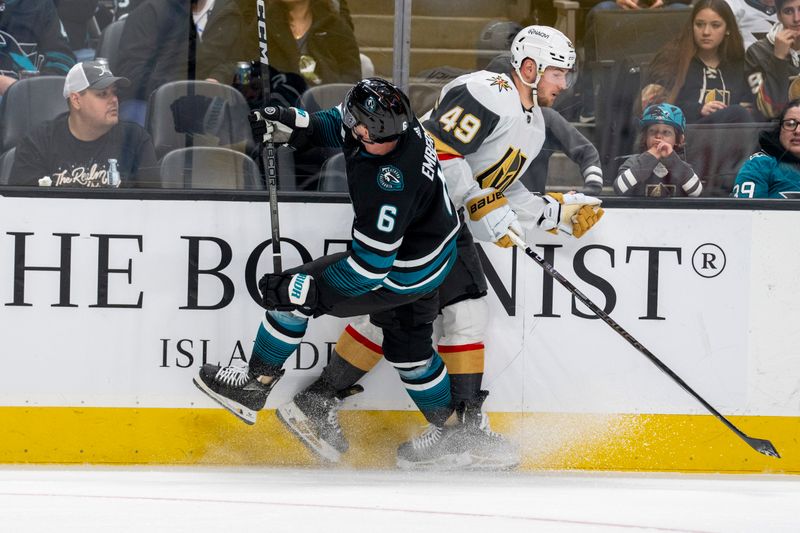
548,47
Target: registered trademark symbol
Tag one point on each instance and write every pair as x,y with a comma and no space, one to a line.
708,260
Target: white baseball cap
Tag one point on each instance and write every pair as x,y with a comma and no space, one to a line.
91,74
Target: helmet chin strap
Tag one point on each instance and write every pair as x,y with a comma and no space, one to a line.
531,85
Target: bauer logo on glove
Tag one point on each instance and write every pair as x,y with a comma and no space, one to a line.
490,216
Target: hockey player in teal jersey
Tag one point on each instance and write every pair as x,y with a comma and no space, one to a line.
774,172
403,246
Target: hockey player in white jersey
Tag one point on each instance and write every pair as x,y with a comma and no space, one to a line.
487,128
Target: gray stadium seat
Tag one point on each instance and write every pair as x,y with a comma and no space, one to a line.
28,103
182,114
333,175
324,96
423,96
716,152
109,42
6,163
209,168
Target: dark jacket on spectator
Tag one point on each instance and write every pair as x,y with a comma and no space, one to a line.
728,80
330,41
156,42
768,75
31,39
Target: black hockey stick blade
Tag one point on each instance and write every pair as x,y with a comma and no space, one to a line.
760,445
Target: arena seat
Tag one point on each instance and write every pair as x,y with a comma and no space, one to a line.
6,163
324,96
716,152
423,96
109,42
182,114
204,167
29,102
333,175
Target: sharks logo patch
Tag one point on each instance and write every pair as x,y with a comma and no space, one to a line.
390,178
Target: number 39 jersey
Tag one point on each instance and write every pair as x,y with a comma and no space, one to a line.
479,117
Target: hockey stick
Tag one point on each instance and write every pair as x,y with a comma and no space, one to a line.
268,164
759,445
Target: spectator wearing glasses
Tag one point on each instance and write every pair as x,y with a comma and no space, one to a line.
774,171
773,61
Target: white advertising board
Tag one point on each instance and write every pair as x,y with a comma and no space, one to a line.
116,302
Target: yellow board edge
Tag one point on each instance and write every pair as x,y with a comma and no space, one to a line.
548,441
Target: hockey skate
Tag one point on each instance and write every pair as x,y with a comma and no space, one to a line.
487,449
313,416
433,449
236,389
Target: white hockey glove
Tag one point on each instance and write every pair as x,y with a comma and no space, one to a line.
571,213
490,217
275,124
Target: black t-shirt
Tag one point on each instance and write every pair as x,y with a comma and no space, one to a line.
51,150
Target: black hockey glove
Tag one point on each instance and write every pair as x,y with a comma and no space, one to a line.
276,124
296,293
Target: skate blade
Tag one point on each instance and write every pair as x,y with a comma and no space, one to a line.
496,464
459,461
298,423
245,414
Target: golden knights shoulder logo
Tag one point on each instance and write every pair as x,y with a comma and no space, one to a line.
500,82
504,171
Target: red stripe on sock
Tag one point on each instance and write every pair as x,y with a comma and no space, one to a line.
460,347
361,339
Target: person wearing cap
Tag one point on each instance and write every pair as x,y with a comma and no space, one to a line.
659,171
75,148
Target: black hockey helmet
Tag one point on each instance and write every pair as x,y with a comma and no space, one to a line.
383,108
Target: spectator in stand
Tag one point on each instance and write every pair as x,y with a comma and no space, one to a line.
702,70
773,61
171,40
77,148
774,172
659,171
77,16
31,41
311,38
754,17
587,86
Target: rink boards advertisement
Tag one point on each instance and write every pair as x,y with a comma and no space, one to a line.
110,306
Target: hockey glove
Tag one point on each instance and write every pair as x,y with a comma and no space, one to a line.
295,293
571,213
275,124
490,217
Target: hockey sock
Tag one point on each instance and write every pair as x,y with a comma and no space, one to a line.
340,373
465,366
428,384
278,337
358,350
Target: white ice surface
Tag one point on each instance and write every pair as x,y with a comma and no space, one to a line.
102,499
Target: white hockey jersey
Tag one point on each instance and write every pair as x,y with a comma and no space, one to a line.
753,18
479,119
